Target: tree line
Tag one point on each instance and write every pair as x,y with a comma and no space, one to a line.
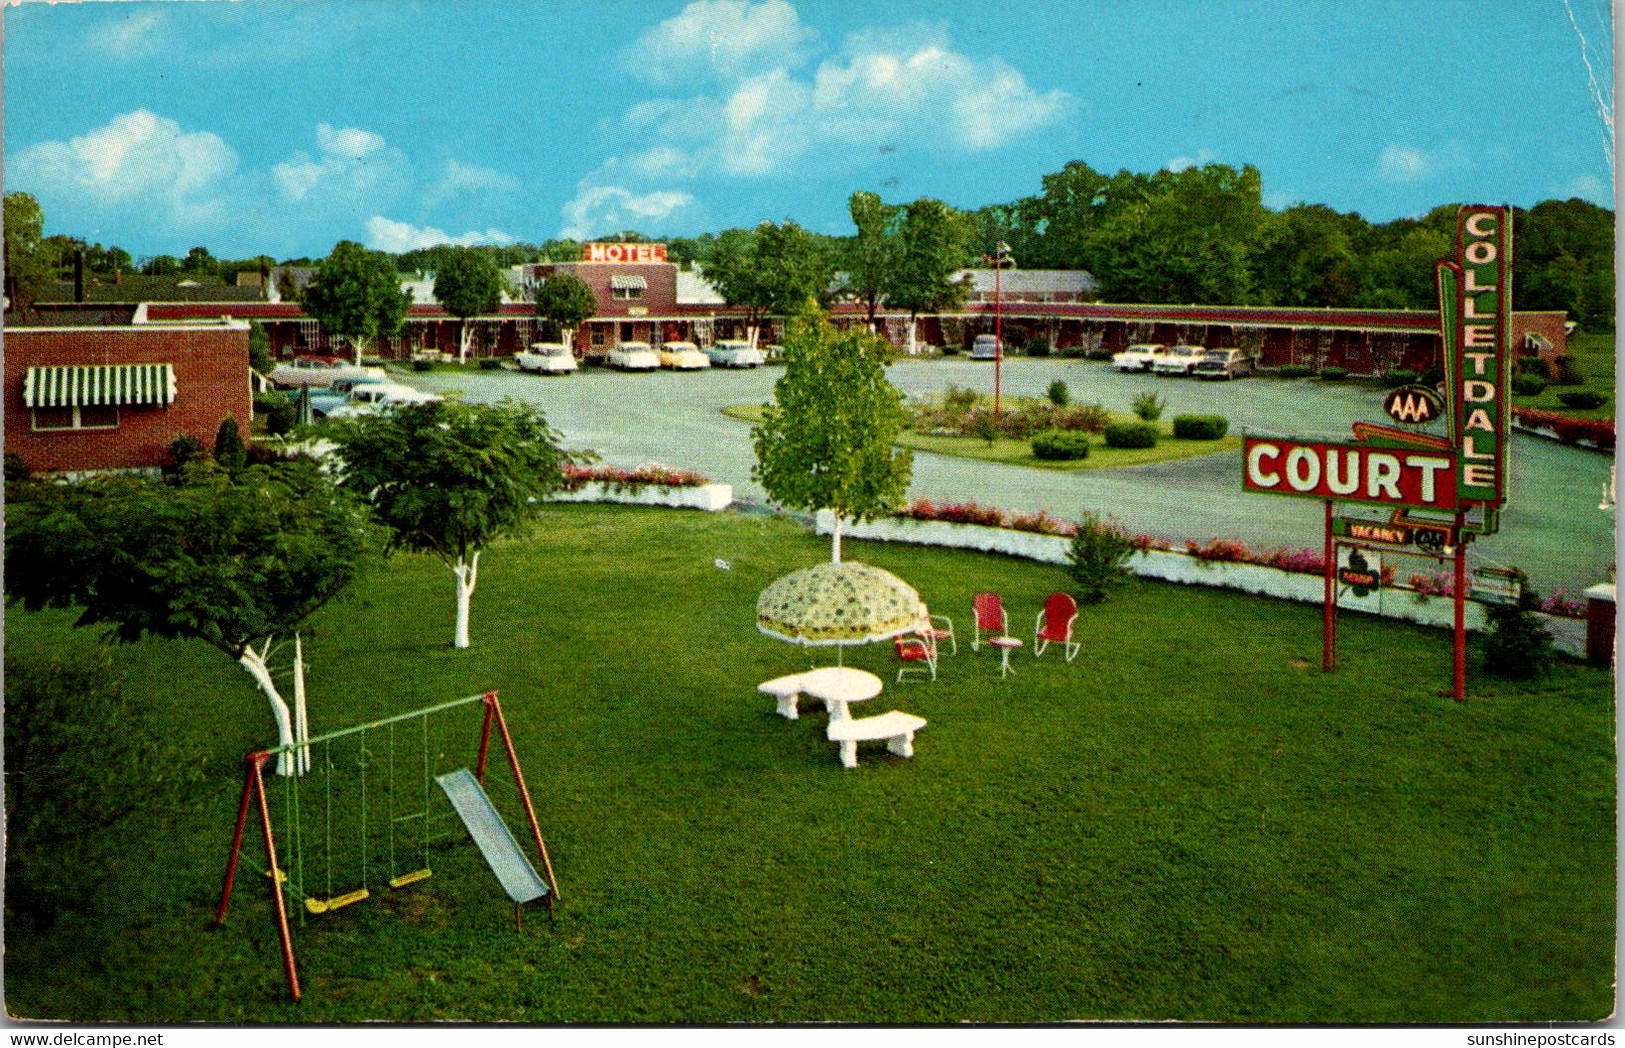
1201,235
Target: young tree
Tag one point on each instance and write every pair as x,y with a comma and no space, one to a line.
826,441
467,284
356,294
565,299
930,247
232,561
229,450
449,478
28,266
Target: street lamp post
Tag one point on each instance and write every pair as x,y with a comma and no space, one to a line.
1000,258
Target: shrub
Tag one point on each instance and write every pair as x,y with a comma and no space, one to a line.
490,364
1517,645
16,470
1431,375
1527,384
1599,431
1098,557
960,398
1396,377
1099,353
1582,399
278,409
422,365
1039,346
1131,435
228,446
1089,418
1334,374
1295,371
1533,366
1566,373
982,424
1200,427
1058,394
183,449
1148,405
1060,445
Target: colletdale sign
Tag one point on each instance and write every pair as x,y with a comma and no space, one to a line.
645,253
1475,312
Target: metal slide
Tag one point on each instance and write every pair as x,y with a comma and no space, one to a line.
519,878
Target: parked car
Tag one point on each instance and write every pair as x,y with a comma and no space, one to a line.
633,356
985,347
546,358
338,391
1178,360
1223,363
1139,357
683,356
372,398
317,371
734,353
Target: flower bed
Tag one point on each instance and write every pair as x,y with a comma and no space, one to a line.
647,485
1586,432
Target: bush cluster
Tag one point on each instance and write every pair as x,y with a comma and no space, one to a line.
1295,371
1058,393
958,416
1393,378
1200,427
1060,445
1038,346
1131,435
1533,366
1566,373
1582,399
1334,374
1599,431
1527,384
422,365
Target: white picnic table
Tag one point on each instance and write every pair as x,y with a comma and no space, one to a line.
836,686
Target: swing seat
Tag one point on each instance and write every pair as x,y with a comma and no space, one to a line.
337,902
411,878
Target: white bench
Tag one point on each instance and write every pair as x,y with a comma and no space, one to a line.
787,690
896,727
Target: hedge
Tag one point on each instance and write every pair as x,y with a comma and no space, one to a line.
1528,384
1060,445
1295,371
1393,378
1582,399
1131,435
1200,427
1334,374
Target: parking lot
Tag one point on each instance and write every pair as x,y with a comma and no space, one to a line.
1552,527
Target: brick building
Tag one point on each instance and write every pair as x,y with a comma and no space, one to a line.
113,395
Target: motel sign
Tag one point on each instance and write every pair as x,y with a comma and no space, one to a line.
645,253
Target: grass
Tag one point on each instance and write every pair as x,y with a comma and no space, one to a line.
1013,452
1189,822
1594,357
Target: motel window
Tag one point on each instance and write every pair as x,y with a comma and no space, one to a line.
627,294
79,416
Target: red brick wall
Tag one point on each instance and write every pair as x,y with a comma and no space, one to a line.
659,298
1553,326
211,382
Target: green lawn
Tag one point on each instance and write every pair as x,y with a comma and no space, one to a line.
1188,822
1594,357
1020,453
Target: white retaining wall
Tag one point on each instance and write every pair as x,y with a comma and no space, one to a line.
709,497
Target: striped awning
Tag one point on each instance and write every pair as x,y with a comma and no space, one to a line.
71,385
628,282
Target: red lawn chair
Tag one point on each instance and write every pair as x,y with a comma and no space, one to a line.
917,647
1055,624
990,619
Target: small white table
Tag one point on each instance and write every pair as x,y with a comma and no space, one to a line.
1005,645
836,686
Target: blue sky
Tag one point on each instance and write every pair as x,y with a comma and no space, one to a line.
283,127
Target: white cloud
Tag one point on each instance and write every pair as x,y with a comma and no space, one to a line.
598,210
468,180
1202,158
730,39
1404,164
353,166
384,234
135,35
137,157
1589,187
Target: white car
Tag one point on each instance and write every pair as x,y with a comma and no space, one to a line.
633,356
733,353
683,356
1139,357
1222,364
1179,360
986,347
317,372
546,358
377,397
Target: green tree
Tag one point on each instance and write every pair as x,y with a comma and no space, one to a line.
769,271
450,478
160,266
356,295
1097,558
826,441
1305,257
467,284
28,267
259,348
234,562
930,248
566,301
229,450
199,260
871,256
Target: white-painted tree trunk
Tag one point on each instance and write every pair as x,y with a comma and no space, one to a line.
467,572
359,346
464,336
913,329
752,333
835,532
301,720
254,662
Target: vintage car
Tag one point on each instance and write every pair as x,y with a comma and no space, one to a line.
1223,363
317,371
683,356
546,358
733,353
633,356
1139,357
375,397
985,347
338,391
1178,360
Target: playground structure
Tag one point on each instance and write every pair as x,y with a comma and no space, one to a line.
366,815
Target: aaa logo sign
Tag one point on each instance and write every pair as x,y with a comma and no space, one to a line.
1413,405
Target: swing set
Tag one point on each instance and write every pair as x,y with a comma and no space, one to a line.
364,818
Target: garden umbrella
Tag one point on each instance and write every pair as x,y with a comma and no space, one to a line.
838,603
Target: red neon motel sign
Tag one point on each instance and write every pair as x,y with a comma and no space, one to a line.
646,253
1351,472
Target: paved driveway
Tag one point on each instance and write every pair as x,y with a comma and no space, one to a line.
1552,527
